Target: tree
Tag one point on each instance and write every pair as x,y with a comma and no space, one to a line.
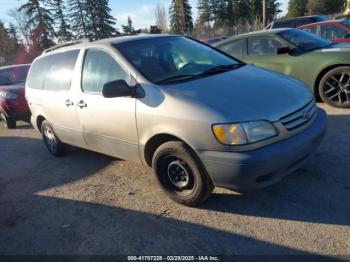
316,6
105,22
22,25
297,8
77,15
58,9
161,18
204,11
180,13
41,20
153,29
10,46
128,29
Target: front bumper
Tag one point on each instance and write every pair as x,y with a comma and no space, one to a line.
262,167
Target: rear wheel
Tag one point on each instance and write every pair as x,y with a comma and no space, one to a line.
335,87
7,122
181,174
53,144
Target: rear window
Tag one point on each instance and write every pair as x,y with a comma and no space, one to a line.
37,73
13,75
53,72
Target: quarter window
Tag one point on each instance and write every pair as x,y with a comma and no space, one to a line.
60,70
99,69
263,45
233,48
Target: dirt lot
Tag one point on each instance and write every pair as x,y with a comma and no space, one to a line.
86,203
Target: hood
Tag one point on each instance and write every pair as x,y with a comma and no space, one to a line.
245,94
17,88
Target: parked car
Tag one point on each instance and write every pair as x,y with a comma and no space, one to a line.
296,22
336,31
323,66
199,117
13,105
213,40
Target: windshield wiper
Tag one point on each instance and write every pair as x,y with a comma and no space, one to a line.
222,68
175,78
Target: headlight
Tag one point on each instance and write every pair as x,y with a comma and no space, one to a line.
244,133
8,95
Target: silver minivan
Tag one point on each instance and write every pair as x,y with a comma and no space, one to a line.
197,116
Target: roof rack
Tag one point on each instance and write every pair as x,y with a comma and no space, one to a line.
69,43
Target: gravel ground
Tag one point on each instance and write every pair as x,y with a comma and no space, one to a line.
87,203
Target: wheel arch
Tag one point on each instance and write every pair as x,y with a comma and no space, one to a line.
320,75
39,120
155,142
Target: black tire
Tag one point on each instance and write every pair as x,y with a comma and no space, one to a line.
181,175
334,88
7,122
53,144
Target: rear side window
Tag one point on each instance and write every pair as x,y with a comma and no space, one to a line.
99,69
263,45
284,24
60,70
37,72
233,48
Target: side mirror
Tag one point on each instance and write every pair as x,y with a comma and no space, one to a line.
118,88
284,50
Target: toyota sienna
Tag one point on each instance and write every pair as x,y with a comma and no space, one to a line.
198,117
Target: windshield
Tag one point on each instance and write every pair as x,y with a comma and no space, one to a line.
14,75
303,40
169,59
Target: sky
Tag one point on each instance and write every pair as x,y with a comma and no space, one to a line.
140,11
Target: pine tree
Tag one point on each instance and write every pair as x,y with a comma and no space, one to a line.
297,8
105,22
42,21
58,8
92,19
77,11
204,11
180,13
128,29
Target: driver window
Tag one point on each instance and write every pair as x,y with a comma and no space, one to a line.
263,45
100,68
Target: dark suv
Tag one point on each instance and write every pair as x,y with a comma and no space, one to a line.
296,22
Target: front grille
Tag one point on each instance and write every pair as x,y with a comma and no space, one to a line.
300,117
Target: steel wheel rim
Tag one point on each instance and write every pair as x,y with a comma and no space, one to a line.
178,174
50,139
185,185
337,88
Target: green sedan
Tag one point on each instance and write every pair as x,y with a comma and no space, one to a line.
324,66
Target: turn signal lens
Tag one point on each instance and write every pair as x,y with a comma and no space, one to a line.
230,134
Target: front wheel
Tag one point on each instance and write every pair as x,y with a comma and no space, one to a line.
7,122
335,87
181,174
53,144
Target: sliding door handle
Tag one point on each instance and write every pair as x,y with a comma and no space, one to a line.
68,103
81,104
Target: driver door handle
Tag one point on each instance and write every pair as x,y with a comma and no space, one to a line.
81,104
68,103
